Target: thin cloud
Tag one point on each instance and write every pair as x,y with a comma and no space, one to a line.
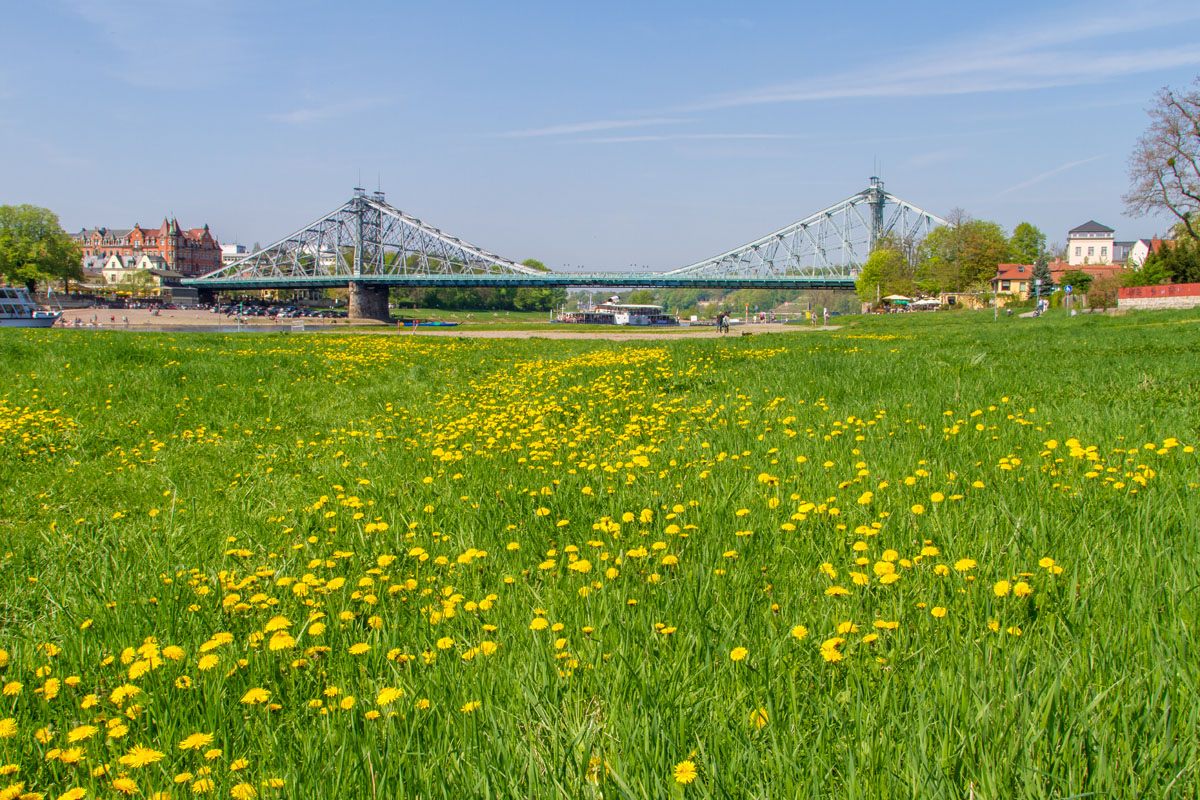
674,137
1048,174
595,125
996,72
316,113
1067,49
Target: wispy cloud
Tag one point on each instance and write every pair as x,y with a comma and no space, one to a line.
1067,48
1042,54
315,113
673,137
1048,174
595,125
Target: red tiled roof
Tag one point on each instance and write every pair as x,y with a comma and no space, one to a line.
1014,272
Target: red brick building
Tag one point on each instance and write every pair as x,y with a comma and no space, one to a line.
189,252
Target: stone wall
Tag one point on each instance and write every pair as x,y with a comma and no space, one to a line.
1173,295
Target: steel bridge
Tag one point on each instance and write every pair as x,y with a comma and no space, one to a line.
369,245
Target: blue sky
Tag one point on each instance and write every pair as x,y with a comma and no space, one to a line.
602,135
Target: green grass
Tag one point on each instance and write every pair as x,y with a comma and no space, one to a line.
157,489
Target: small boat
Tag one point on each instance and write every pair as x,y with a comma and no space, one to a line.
409,322
17,310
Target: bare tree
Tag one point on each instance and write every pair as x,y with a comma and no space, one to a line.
1165,165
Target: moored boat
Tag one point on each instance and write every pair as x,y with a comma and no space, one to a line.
17,310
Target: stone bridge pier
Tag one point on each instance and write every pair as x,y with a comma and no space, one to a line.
369,303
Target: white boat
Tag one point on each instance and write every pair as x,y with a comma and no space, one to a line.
17,310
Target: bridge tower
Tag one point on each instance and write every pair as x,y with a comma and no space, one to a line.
876,200
368,301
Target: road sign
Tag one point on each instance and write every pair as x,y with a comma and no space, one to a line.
1067,288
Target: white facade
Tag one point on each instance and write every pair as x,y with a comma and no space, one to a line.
1090,243
233,252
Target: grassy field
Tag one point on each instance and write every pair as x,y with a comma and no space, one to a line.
920,556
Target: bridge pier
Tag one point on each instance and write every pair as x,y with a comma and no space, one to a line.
369,303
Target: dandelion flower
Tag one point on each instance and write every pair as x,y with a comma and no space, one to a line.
139,757
685,772
1001,588
938,611
8,728
388,695
256,696
125,785
738,654
243,791
799,632
196,741
471,706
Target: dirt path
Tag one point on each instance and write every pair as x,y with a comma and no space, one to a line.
625,335
136,319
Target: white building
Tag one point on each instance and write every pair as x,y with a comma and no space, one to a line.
1090,243
143,273
233,252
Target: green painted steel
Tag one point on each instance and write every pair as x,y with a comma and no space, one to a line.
548,279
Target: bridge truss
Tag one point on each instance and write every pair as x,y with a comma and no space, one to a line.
368,242
834,242
365,238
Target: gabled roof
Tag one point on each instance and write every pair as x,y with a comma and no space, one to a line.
1013,272
1091,226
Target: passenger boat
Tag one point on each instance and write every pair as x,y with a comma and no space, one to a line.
17,310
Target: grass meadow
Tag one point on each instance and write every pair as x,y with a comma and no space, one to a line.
924,556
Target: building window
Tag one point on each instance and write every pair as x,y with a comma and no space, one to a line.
1078,251
1004,286
1104,252
1091,251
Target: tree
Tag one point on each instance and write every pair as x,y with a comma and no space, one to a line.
1152,272
533,262
1165,165
1041,272
641,297
1078,280
1176,262
884,273
33,247
962,255
1026,244
1103,291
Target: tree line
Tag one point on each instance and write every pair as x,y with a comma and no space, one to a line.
959,257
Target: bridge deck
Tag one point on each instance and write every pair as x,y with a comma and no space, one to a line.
549,279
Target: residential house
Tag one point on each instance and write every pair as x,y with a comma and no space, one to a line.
1014,279
147,274
1090,243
